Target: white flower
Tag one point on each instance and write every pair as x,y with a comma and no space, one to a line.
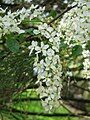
48,81
49,29
41,91
32,46
86,53
48,64
46,34
86,63
39,67
56,59
2,10
51,39
36,32
42,26
69,73
86,74
28,1
42,49
54,33
46,105
50,52
33,6
55,48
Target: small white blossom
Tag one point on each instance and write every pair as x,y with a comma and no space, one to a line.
36,32
86,53
32,46
39,67
86,64
42,49
50,52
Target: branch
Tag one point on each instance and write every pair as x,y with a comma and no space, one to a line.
79,79
44,114
76,99
62,13
63,98
14,116
8,5
81,88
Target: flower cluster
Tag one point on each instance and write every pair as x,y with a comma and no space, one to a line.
75,30
10,23
48,67
86,63
76,24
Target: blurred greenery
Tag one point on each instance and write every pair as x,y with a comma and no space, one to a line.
32,106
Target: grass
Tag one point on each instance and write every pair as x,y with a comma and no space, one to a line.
35,106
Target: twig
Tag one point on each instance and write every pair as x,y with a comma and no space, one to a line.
8,5
14,116
65,107
78,78
45,114
62,13
63,98
82,88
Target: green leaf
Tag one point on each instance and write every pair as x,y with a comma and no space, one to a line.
20,37
88,45
12,44
26,21
53,13
29,31
35,20
77,50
